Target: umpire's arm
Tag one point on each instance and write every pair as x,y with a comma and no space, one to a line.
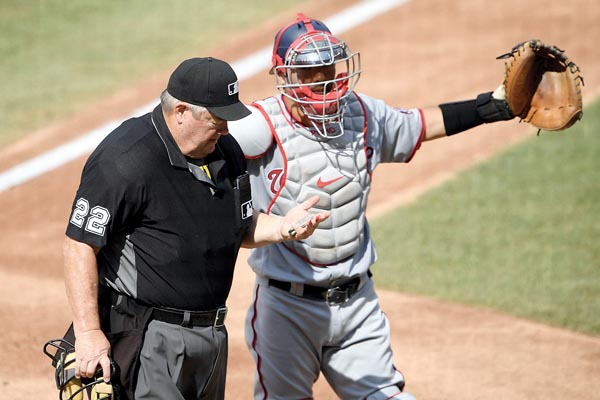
81,281
297,224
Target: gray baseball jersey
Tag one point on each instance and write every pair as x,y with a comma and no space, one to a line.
288,334
288,164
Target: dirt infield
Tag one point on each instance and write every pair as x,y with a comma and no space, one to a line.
421,53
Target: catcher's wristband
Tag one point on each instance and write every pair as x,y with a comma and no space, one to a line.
492,109
462,115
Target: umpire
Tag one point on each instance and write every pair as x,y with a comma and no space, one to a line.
160,214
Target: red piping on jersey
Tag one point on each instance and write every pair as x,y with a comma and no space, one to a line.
421,136
397,370
258,359
283,155
264,114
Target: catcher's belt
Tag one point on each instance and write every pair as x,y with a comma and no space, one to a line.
338,292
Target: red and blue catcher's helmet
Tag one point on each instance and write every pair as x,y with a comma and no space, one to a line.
308,43
289,33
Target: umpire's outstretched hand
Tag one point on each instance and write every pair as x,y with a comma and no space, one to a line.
297,224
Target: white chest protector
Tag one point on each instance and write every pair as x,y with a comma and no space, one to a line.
288,164
300,164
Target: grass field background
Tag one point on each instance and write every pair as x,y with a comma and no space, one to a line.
519,233
60,55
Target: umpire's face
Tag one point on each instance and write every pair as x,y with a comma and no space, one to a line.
199,131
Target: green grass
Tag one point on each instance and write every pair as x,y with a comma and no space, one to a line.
519,233
59,55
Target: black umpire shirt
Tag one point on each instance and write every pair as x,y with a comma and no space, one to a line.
168,234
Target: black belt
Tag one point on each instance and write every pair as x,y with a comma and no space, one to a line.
185,318
338,294
214,318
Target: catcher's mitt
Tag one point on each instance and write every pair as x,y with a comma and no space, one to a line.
543,86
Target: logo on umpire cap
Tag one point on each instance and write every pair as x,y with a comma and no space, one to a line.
233,88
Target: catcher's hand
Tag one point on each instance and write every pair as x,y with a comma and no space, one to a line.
543,86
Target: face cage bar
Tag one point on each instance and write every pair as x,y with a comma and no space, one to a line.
287,83
99,390
319,44
63,375
63,348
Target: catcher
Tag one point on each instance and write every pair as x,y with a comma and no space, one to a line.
315,309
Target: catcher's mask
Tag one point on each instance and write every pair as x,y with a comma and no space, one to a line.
308,43
70,387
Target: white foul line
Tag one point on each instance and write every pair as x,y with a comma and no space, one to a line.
245,68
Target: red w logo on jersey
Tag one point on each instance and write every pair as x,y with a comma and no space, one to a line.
275,176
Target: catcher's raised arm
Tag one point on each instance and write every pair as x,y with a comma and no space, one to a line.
543,86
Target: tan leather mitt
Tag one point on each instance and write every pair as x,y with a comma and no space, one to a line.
543,86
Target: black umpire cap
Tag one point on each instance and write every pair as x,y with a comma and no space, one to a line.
210,83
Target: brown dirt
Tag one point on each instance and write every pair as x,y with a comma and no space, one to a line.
421,53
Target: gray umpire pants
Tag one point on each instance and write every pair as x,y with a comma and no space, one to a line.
179,363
